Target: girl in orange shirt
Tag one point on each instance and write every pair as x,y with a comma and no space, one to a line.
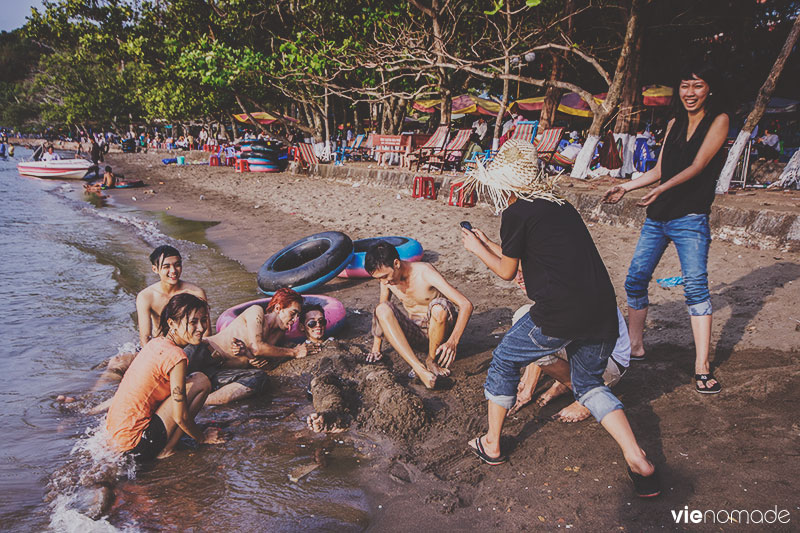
156,402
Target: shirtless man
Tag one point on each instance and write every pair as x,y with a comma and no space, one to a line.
431,309
167,264
251,340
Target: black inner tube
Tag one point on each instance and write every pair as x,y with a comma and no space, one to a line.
301,254
362,245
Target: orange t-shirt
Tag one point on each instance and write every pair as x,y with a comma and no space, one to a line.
143,388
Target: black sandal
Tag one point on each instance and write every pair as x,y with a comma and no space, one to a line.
645,486
705,378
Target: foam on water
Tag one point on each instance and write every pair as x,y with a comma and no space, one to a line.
76,489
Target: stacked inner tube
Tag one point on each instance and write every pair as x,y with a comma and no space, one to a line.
264,156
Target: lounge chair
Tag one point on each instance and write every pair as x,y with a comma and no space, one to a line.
308,158
524,130
547,144
436,143
351,152
452,153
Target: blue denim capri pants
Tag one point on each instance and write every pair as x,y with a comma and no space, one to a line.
692,237
525,343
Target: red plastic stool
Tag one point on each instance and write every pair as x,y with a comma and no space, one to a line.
424,187
461,201
242,165
213,161
230,161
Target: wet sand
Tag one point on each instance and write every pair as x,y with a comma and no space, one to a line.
736,450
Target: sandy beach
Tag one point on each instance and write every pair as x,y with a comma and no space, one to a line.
737,450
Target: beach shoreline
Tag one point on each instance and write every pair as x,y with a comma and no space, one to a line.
431,478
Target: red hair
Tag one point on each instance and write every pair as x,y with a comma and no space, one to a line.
284,297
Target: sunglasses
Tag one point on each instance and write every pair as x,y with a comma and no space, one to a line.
313,323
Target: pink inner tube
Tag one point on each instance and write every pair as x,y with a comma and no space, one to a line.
333,308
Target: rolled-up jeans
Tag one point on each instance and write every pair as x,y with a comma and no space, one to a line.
692,237
525,343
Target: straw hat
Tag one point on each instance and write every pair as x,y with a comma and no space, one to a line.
514,170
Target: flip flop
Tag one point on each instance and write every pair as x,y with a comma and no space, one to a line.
481,454
645,486
704,379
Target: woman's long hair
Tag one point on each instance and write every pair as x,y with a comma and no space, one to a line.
179,307
717,99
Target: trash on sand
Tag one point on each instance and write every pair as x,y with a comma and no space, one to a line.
302,471
670,282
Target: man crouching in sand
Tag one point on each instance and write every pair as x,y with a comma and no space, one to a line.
431,309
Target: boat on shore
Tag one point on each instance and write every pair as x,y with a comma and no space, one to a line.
64,169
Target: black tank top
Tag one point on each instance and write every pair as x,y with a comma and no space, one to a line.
697,194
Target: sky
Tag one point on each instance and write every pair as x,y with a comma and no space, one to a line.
13,12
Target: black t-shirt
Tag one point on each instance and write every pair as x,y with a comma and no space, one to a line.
696,195
564,274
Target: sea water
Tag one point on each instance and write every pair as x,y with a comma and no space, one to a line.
70,267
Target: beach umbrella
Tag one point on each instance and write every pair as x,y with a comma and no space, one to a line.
573,104
465,104
530,104
261,117
427,106
570,104
656,95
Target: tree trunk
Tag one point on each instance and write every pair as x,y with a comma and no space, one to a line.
629,109
498,123
552,95
356,124
764,95
603,111
447,106
791,173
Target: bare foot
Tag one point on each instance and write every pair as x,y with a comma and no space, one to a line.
555,390
374,357
321,423
574,412
428,379
64,399
165,454
437,370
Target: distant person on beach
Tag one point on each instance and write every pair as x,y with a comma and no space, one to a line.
431,317
96,155
50,155
157,400
678,209
575,301
109,179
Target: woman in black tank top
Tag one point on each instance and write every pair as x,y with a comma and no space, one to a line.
678,209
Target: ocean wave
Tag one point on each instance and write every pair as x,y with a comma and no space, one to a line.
82,491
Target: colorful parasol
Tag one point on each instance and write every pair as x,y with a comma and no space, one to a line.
656,95
262,118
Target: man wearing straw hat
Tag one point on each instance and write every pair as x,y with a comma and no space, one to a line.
575,304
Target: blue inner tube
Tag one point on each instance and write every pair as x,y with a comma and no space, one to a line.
307,263
407,249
